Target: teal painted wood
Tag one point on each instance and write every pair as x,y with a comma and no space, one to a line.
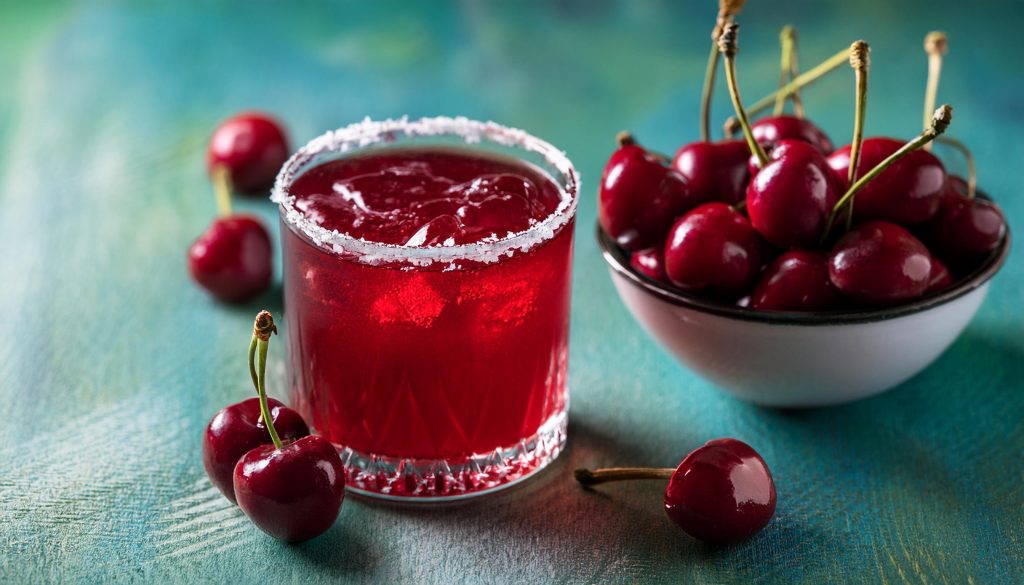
111,362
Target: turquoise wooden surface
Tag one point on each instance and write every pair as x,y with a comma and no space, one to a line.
111,362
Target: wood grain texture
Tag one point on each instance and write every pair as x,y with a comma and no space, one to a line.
111,361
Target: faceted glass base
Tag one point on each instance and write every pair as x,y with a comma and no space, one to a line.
445,480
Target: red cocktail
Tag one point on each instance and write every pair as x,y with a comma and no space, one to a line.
427,278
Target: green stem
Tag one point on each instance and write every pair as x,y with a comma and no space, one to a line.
222,189
935,44
860,61
705,95
794,72
262,330
590,477
940,121
787,68
728,47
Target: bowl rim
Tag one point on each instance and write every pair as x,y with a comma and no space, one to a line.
618,261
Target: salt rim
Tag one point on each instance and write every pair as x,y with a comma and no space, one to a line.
369,132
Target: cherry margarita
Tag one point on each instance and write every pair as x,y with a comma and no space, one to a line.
427,301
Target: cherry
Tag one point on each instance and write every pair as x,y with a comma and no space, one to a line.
714,171
237,429
721,493
957,185
880,263
797,280
252,146
907,193
965,230
771,131
640,196
290,491
650,263
789,199
713,249
232,259
293,492
940,278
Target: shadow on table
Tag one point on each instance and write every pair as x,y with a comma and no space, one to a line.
342,551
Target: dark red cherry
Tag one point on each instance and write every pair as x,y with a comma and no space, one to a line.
237,429
790,198
940,278
771,131
293,493
252,146
906,193
721,493
880,263
713,249
650,263
965,231
956,185
714,171
797,280
232,259
640,197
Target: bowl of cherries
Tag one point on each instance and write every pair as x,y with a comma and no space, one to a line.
789,273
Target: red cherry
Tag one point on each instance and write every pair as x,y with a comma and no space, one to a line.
293,493
771,131
232,259
713,249
640,197
906,193
940,278
790,198
965,231
714,171
721,493
956,185
650,263
795,281
880,263
237,429
252,146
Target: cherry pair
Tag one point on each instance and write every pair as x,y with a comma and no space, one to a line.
259,453
720,493
232,259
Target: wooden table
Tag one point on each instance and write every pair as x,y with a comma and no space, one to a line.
111,361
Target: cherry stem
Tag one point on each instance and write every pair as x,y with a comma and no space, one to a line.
222,189
972,170
728,45
935,44
727,9
860,60
940,121
262,329
624,138
788,70
705,95
801,81
589,477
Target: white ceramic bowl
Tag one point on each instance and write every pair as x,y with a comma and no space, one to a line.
799,359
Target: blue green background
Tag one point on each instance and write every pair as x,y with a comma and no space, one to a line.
111,361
